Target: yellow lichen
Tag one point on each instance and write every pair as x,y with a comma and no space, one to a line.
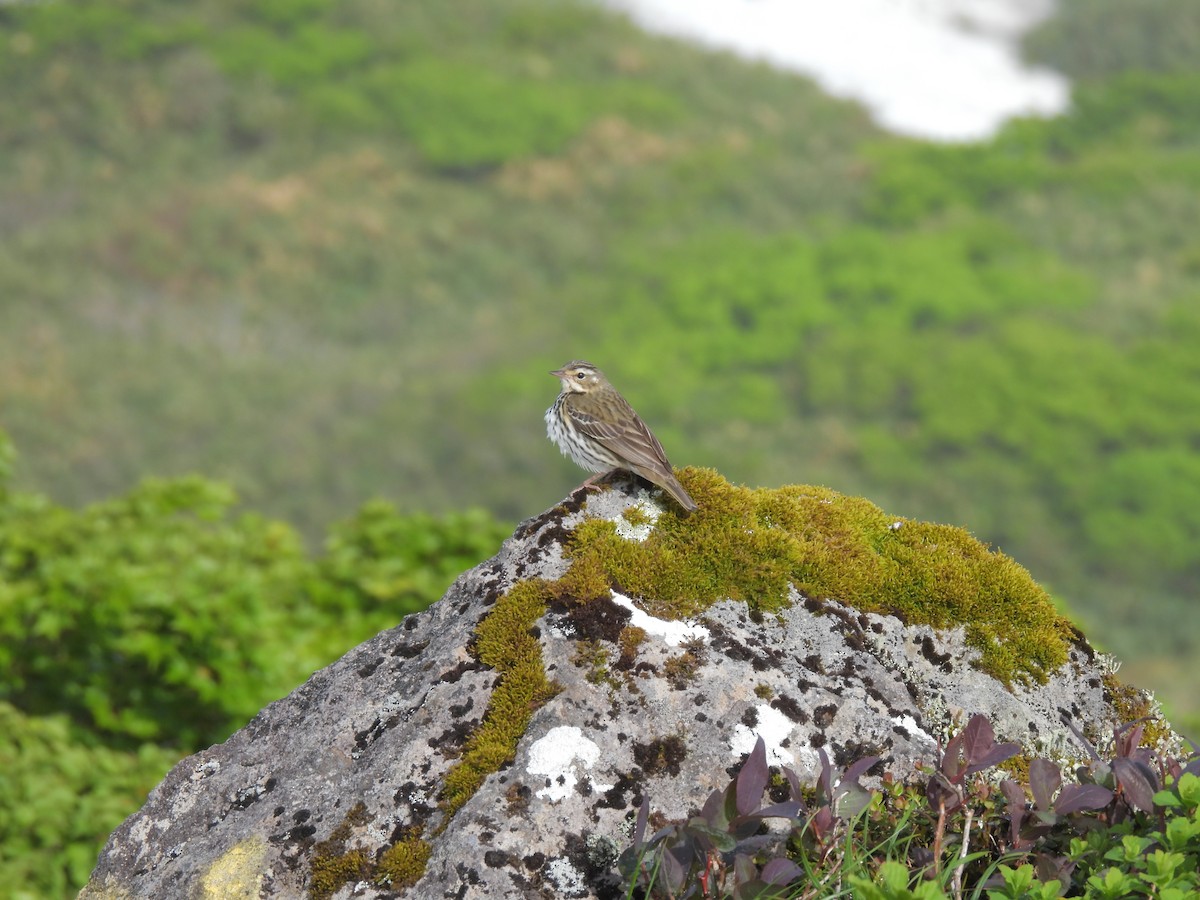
237,873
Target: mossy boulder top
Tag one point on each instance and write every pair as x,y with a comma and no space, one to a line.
500,742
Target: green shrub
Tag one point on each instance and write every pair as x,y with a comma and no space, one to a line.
462,115
154,617
61,794
1092,39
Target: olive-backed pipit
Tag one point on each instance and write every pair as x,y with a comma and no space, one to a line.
595,426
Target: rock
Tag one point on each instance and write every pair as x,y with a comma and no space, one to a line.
499,743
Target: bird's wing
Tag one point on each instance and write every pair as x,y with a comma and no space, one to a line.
626,435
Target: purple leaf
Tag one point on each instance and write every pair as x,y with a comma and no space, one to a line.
998,754
1075,797
674,870
639,830
978,738
858,769
788,809
752,780
825,776
1015,795
1044,779
781,871
1053,868
952,765
821,822
940,791
712,806
1127,737
794,783
744,870
1136,783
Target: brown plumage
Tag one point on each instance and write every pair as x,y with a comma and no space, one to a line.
594,425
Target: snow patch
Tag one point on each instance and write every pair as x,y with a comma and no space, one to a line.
948,70
673,633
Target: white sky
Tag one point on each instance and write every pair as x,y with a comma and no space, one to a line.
939,69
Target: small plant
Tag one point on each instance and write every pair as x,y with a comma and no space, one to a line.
715,854
1128,825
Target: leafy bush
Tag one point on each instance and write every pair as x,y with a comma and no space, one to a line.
380,565
162,616
60,796
463,116
154,617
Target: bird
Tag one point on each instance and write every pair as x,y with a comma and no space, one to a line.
597,428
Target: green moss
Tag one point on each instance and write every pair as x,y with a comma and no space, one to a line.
333,865
629,640
764,691
403,863
1131,704
592,656
504,642
681,668
751,544
635,516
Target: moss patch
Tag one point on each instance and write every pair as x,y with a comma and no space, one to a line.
503,641
629,640
750,544
333,864
403,864
1132,705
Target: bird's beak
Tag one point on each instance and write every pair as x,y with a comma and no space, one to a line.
557,373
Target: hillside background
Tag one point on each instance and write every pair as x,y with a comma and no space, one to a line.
327,252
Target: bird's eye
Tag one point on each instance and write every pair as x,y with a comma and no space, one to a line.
579,375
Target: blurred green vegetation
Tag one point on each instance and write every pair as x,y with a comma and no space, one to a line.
327,252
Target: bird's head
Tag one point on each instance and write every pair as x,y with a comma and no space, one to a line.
579,377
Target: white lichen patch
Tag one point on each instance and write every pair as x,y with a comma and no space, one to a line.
568,879
673,633
773,727
909,724
557,756
205,769
639,532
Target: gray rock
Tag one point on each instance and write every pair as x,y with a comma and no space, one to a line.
306,798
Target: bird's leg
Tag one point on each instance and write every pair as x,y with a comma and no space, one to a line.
591,485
